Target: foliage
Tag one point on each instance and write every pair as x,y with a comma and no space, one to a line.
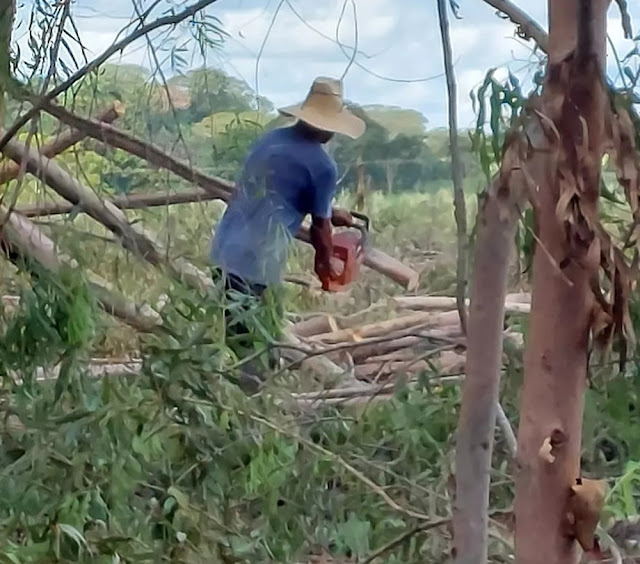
176,463
398,121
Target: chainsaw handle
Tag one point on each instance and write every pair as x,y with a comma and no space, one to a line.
363,218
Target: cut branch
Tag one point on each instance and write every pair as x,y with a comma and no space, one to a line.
61,143
25,240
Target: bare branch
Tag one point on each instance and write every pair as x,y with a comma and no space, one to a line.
528,28
626,19
460,211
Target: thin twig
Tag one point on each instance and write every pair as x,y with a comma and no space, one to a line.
460,212
404,537
118,46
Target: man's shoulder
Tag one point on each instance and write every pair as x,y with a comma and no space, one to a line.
323,162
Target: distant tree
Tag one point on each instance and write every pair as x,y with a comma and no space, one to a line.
213,90
395,162
398,121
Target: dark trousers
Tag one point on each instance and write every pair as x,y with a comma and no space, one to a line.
241,299
236,328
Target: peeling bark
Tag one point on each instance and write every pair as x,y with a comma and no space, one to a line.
566,261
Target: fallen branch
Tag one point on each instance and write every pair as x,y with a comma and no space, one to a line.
131,237
63,141
26,240
326,322
216,187
129,202
431,303
320,365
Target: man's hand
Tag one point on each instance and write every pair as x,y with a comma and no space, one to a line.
320,233
341,218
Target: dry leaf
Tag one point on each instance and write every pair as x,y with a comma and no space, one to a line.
586,500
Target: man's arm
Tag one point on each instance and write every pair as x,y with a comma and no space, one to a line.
322,217
320,234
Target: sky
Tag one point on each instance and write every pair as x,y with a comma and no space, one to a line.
279,47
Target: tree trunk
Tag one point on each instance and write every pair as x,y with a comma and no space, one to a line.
566,258
497,219
389,175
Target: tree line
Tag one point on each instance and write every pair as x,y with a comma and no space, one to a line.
211,119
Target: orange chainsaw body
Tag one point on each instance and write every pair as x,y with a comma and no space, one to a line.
348,254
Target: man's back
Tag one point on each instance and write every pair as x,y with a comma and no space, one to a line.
285,177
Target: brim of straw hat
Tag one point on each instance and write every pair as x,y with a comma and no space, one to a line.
343,122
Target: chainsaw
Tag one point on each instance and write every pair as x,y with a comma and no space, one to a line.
349,248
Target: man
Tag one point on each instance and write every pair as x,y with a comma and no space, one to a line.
286,176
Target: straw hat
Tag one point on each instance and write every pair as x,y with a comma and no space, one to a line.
324,109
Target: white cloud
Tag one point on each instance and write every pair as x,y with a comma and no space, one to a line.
397,40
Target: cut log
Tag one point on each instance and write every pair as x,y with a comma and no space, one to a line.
418,321
217,187
364,352
321,366
63,141
326,323
375,371
440,303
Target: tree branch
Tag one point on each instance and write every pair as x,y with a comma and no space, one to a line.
118,46
129,202
133,238
528,28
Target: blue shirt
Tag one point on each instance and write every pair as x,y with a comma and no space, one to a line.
285,177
